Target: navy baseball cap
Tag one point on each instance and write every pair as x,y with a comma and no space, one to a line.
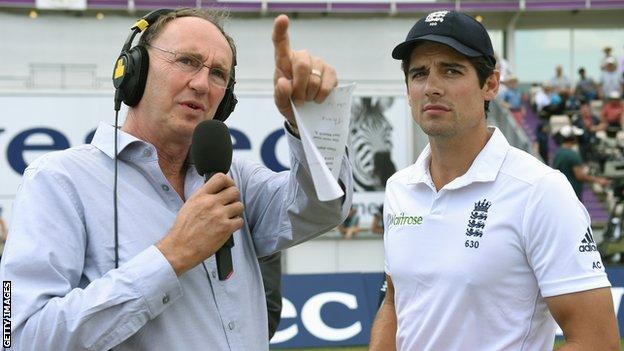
455,29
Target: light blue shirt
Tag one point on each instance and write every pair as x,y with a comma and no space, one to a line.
66,294
513,97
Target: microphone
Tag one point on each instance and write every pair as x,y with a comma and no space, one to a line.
211,151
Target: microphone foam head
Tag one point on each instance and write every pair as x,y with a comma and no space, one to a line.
211,150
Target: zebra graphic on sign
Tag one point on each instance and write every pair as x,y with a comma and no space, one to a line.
370,143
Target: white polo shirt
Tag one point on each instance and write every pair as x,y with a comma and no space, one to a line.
472,263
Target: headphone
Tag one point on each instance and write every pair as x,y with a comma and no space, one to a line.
130,72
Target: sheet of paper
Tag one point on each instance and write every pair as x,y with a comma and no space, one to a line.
324,129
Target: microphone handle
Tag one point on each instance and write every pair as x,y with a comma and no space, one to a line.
225,268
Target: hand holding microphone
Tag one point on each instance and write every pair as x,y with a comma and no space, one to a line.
207,220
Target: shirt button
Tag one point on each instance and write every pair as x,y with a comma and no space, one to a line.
165,187
214,274
231,325
165,299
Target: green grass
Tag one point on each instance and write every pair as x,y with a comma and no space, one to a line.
364,348
559,343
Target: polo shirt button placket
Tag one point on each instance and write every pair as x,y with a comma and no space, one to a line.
437,202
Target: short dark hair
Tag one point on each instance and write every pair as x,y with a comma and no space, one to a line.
481,64
214,16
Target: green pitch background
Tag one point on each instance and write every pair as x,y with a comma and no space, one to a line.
364,348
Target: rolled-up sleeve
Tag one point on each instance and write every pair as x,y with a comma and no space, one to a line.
282,208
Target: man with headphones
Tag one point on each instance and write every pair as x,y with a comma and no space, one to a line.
155,286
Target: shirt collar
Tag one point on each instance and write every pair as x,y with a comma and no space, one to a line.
420,171
484,168
128,146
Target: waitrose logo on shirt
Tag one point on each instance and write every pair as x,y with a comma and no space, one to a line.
402,219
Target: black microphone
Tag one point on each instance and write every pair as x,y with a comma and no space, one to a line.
211,151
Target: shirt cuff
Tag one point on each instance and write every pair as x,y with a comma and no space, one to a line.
291,131
295,145
155,279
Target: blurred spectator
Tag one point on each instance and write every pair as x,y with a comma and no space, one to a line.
610,80
608,55
560,83
621,66
541,98
586,89
351,225
512,99
378,225
383,169
548,101
503,66
613,111
590,124
3,233
542,136
568,160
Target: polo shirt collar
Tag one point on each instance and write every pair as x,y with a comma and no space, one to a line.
127,144
420,171
484,168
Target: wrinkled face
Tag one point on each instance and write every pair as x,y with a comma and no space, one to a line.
175,101
444,92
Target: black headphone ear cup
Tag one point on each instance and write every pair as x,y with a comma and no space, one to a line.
138,65
227,105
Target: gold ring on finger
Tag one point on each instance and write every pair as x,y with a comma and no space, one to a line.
316,72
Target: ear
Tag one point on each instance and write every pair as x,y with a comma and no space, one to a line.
490,88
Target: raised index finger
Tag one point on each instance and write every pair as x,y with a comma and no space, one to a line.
281,44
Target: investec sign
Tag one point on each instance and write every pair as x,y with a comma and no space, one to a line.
327,309
339,309
35,123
